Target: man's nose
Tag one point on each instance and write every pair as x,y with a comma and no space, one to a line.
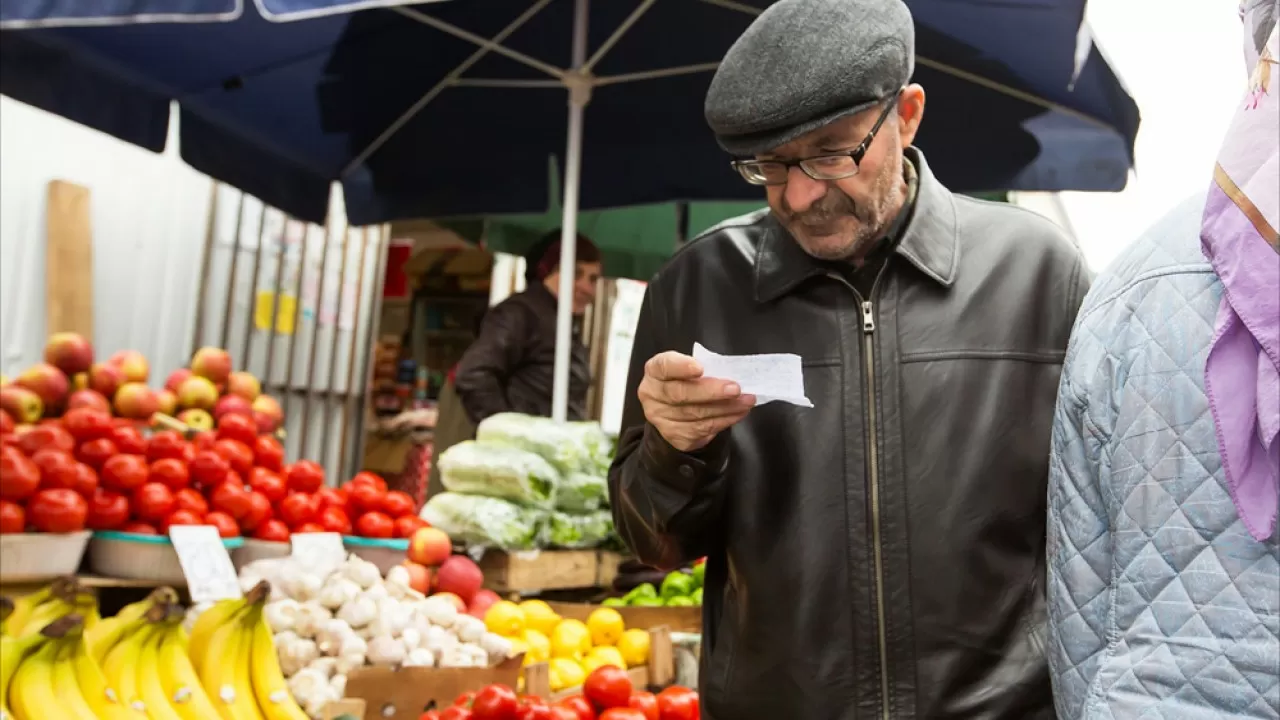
801,190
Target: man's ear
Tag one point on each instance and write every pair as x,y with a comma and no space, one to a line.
910,112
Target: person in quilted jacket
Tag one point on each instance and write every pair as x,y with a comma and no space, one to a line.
1164,561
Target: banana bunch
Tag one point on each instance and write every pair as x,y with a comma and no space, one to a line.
64,596
234,656
48,675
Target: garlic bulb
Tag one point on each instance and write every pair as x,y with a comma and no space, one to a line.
469,629
338,591
308,684
338,684
281,615
411,638
498,647
363,573
438,611
386,650
397,583
420,657
282,639
359,612
311,616
297,655
325,665
331,634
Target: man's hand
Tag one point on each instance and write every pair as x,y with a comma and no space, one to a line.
687,409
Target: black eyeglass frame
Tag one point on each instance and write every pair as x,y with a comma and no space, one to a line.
856,154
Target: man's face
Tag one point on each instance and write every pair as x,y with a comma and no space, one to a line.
839,219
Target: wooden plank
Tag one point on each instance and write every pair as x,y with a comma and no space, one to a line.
679,619
68,260
536,571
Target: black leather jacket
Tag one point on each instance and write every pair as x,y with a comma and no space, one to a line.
881,555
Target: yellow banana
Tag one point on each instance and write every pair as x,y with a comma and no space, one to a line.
274,699
6,609
181,684
121,666
102,698
65,684
150,687
224,671
209,622
32,687
46,613
13,650
23,607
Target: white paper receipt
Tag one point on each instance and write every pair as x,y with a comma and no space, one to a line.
776,376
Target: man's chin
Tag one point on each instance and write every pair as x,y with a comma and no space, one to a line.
835,246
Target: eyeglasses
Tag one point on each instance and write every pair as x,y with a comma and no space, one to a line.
832,166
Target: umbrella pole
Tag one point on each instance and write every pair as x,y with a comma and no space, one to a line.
579,94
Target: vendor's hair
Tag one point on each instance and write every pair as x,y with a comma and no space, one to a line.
544,258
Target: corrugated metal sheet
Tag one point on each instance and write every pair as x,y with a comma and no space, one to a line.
150,216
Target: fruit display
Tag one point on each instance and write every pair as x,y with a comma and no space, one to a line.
526,483
364,507
679,589
571,648
608,694
326,626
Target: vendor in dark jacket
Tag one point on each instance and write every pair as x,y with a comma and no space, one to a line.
881,555
509,367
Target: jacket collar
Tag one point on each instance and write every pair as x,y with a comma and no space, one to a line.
928,241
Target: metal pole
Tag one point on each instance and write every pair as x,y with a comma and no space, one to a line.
579,95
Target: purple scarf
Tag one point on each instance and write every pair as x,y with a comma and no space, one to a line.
1238,235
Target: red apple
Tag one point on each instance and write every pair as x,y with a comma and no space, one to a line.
46,381
137,401
419,577
197,392
267,411
69,352
460,576
429,546
175,380
23,406
133,364
244,384
481,603
105,378
88,399
212,363
232,404
457,601
167,401
196,419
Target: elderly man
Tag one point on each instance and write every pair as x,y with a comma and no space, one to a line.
881,554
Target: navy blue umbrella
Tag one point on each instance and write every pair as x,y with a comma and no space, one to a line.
453,108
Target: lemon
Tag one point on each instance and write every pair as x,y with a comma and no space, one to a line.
634,647
539,616
505,618
570,639
539,645
567,672
607,655
606,626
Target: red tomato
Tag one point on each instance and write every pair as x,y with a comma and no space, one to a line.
190,499
538,712
430,715
165,444
332,497
495,702
108,510
139,528
268,453
272,530
574,708
241,428
85,480
309,528
678,703
397,504
226,524
268,483
125,473
373,479
203,440
298,508
608,687
363,498
646,703
13,519
95,453
208,468
152,502
87,424
455,713
406,526
19,477
624,713
259,511
57,511
333,519
531,700
57,469
231,498
237,454
304,476
129,440
465,699
180,517
6,423
374,525
173,473
46,436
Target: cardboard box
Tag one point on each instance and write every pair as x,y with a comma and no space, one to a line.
405,693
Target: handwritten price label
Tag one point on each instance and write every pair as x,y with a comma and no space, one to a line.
205,563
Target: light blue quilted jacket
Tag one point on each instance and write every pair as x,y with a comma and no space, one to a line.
1161,605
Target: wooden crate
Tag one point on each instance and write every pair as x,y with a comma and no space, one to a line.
538,570
679,619
404,693
658,673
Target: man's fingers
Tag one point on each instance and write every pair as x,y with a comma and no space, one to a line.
695,392
672,366
706,411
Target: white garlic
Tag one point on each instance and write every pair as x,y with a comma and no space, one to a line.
297,655
469,629
363,573
386,650
498,647
325,665
330,635
338,591
281,615
358,612
310,618
420,657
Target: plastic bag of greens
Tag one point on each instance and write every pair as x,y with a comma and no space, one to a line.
579,493
599,446
487,522
498,471
577,532
569,447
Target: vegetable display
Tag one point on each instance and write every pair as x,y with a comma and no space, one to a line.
498,471
679,589
570,447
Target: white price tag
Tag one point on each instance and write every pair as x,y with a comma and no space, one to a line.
205,563
321,553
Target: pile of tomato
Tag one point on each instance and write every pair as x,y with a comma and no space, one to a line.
607,694
90,470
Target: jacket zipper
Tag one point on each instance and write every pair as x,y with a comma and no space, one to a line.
868,334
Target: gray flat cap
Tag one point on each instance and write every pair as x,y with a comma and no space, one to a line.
806,63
